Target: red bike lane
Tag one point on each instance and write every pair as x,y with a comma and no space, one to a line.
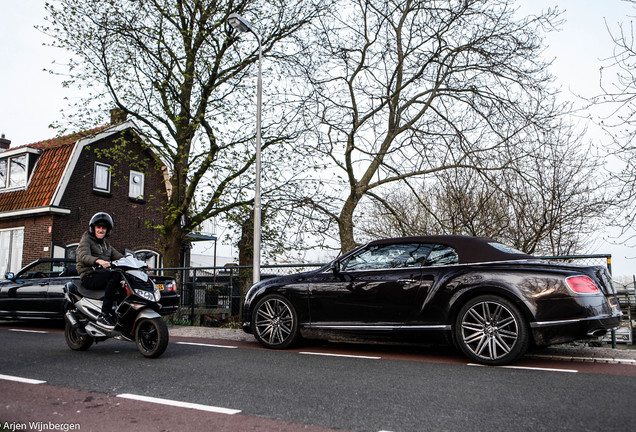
38,407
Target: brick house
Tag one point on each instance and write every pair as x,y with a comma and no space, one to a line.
49,190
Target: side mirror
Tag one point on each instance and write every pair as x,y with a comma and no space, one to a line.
335,268
10,276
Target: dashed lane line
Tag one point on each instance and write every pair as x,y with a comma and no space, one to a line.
21,379
340,355
530,368
28,331
200,407
206,345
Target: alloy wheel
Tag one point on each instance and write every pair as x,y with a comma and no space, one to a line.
489,330
275,322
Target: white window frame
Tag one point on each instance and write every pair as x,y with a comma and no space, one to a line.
9,168
136,191
11,247
5,182
98,175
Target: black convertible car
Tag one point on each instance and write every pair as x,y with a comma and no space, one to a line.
37,290
487,299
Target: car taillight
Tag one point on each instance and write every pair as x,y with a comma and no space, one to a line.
582,285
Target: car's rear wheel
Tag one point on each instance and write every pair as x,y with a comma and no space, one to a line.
275,322
491,330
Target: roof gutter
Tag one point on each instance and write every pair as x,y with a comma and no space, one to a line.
35,211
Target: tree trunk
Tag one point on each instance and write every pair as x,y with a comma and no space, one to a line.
345,224
246,255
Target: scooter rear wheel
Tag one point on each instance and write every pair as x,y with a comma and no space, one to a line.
74,340
151,336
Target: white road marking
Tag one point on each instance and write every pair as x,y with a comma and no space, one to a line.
209,408
530,368
20,379
206,345
28,331
340,355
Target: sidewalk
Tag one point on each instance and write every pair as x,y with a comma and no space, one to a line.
575,351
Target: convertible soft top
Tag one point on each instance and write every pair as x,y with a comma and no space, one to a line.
469,249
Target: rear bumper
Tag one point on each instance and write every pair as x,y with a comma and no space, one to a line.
551,332
169,304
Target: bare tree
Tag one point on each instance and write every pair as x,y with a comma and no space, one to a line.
187,79
618,82
405,89
549,202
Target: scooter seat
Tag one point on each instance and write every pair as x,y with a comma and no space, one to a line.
89,293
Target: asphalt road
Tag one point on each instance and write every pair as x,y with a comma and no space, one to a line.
312,388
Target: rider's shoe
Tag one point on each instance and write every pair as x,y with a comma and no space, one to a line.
106,322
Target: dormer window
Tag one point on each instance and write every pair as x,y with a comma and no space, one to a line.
14,171
17,171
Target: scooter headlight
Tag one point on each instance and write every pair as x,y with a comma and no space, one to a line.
146,295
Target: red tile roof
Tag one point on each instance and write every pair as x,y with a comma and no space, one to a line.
46,175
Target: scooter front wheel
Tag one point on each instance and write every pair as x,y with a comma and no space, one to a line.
151,336
75,340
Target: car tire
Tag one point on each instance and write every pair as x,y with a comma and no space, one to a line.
491,330
151,336
275,322
75,340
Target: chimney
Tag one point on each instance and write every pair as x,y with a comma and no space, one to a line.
4,143
117,115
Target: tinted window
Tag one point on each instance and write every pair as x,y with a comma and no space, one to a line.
504,248
388,256
442,255
44,269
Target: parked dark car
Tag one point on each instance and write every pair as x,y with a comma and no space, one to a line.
487,299
37,290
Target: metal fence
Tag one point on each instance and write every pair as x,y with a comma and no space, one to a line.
210,294
597,259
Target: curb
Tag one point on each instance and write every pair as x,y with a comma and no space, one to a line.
566,358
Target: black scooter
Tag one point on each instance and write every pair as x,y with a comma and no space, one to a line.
137,317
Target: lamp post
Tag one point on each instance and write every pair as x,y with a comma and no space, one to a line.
241,24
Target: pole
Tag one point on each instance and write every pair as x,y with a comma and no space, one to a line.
257,197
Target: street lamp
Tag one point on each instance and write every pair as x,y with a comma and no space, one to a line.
241,24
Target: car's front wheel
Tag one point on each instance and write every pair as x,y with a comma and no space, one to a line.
275,322
491,330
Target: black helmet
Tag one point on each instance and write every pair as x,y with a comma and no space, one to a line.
101,218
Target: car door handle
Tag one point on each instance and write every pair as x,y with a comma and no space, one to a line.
407,281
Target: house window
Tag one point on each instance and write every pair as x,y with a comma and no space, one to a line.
11,243
17,171
3,173
101,180
13,172
136,185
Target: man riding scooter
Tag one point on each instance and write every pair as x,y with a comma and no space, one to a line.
94,255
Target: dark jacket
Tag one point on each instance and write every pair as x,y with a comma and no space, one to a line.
89,250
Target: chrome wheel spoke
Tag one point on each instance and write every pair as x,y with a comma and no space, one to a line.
274,321
489,330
